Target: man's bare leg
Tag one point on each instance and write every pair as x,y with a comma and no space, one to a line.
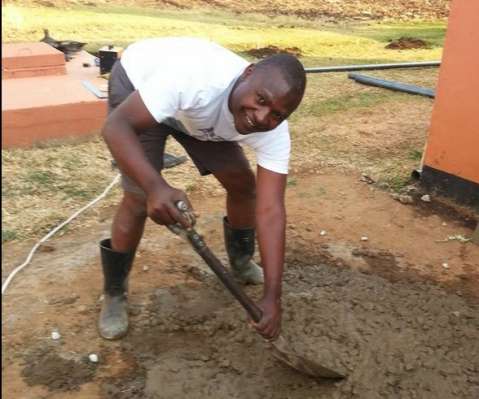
239,225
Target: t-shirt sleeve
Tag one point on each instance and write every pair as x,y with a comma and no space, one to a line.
161,96
272,148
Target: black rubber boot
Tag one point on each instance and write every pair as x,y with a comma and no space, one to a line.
240,248
113,322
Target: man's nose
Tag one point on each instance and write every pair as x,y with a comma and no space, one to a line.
262,116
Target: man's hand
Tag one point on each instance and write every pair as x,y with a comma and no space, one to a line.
269,326
161,205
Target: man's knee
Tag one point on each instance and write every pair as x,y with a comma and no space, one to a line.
240,184
134,204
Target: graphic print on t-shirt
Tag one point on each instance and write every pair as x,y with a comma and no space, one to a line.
209,132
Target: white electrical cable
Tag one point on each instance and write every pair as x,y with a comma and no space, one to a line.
30,255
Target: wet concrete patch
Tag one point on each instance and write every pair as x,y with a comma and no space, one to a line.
57,373
391,339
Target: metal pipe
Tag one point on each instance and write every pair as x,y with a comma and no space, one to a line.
392,85
364,67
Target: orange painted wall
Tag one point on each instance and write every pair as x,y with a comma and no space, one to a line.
453,142
27,126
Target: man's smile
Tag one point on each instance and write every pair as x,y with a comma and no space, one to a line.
249,122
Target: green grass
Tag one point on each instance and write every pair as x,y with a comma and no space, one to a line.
347,101
415,155
121,26
398,181
291,182
43,178
431,32
72,191
9,235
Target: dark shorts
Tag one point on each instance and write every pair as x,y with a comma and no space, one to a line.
208,156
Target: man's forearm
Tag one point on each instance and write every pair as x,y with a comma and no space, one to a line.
271,225
125,147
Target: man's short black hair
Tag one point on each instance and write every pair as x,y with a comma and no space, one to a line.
291,69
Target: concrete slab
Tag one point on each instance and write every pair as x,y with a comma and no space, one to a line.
23,60
50,107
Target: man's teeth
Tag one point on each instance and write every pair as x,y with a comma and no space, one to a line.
250,122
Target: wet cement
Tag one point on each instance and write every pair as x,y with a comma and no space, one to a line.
395,340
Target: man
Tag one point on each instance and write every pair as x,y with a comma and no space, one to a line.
211,101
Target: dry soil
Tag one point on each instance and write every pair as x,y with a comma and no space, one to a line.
388,312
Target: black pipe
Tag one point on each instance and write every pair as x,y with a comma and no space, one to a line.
364,67
392,85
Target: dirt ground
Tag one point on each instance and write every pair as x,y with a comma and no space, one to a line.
398,313
308,9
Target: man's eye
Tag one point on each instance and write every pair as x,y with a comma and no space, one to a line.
277,116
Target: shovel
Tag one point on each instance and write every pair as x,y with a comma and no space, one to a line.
281,349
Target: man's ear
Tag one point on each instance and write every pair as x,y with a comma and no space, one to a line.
248,71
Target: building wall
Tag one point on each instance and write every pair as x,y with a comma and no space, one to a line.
453,142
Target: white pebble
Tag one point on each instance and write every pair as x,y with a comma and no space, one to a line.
56,335
426,198
93,357
145,268
364,238
322,233
406,199
445,265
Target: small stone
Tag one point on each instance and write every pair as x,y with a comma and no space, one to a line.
322,233
426,198
408,190
225,363
93,357
395,196
82,309
406,199
56,335
46,248
444,224
364,238
145,268
456,313
445,265
366,179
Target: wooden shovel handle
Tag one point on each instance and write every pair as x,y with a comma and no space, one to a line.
225,277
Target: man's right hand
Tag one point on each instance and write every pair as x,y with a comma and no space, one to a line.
161,206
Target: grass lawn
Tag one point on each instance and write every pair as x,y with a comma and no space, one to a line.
44,185
121,26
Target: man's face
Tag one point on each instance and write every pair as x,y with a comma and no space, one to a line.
261,100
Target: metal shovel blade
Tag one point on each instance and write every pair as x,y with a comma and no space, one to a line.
283,353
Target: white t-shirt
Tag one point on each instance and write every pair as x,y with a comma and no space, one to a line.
185,83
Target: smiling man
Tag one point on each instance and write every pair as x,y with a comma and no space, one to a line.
212,102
